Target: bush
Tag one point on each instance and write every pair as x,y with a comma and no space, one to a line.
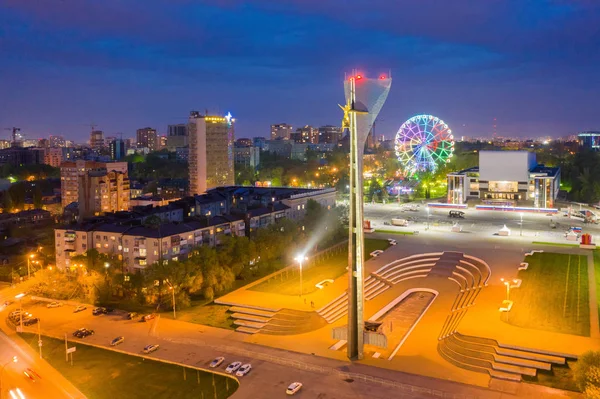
587,373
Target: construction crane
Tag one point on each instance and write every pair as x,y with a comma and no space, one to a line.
15,132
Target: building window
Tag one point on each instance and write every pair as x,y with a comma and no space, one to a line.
142,251
175,258
58,234
83,246
98,245
155,252
142,262
125,249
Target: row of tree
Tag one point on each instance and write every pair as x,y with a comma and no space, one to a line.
207,272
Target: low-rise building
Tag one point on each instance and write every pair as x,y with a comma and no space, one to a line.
506,178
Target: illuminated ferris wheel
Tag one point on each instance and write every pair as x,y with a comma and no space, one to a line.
422,143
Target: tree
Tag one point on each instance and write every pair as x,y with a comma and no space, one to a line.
587,372
37,197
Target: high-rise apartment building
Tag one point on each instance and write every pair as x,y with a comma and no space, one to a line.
117,149
97,139
147,138
101,191
210,151
53,156
281,131
330,134
177,136
70,172
306,134
57,141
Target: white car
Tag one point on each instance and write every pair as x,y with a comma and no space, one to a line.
376,253
245,369
293,388
217,362
80,308
392,242
117,341
54,304
233,367
150,348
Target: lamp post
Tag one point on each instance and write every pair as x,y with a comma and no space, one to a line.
20,298
31,256
13,360
300,259
172,289
521,214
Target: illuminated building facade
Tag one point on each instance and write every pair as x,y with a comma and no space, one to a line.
70,172
210,157
147,138
281,131
506,178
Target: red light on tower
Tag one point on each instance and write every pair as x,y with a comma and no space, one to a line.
358,77
382,77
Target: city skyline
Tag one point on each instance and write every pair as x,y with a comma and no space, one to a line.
532,67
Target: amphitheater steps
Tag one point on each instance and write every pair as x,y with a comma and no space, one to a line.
250,317
247,330
255,312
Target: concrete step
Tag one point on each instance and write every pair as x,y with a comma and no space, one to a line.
250,317
252,324
509,368
256,312
523,362
337,315
501,375
247,330
338,345
379,291
530,355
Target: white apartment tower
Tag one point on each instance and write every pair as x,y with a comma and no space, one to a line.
210,151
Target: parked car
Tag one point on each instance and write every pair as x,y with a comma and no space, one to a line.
376,253
245,369
31,321
117,341
54,304
151,348
233,367
217,362
77,333
293,388
392,242
147,317
98,311
80,308
131,315
456,214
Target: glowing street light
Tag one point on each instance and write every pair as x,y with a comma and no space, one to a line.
31,256
172,289
300,259
507,284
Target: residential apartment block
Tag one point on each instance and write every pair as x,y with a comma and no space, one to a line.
71,171
101,192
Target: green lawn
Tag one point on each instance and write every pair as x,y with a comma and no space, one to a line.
288,283
597,273
553,295
556,244
202,313
405,233
103,374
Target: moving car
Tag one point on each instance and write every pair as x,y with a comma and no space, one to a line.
392,242
30,375
147,317
293,388
376,253
233,367
98,311
217,362
54,304
151,348
117,341
456,214
80,308
245,369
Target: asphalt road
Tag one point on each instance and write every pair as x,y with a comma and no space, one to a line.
477,221
47,384
273,369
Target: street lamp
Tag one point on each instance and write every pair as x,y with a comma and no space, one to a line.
521,214
172,289
20,297
13,360
507,284
31,256
300,259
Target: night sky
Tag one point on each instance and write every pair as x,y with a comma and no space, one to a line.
534,65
